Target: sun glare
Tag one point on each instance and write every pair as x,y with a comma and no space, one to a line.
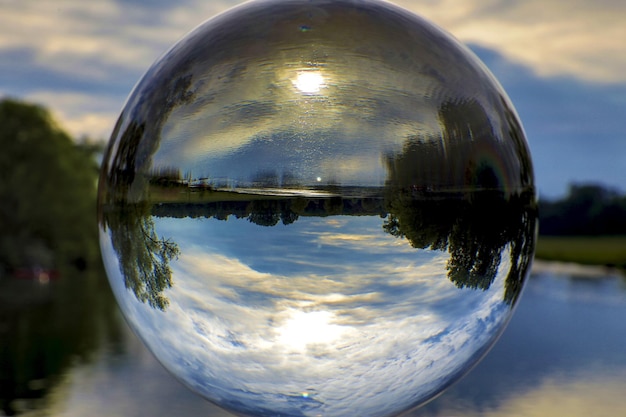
309,82
302,329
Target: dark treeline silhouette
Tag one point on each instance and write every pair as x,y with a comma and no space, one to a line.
135,137
477,228
269,212
454,162
144,256
587,209
453,195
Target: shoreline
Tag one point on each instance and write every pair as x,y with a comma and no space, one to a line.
574,269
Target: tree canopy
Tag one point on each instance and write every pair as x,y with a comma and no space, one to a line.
48,192
588,209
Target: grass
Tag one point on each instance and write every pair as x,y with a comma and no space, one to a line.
588,250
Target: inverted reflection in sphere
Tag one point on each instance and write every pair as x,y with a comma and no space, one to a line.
317,208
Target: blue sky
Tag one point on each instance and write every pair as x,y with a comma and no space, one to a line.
563,63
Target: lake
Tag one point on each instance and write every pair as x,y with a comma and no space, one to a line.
66,351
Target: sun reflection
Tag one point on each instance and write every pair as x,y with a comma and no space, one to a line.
305,328
309,82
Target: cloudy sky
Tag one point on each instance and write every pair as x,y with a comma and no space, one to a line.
562,62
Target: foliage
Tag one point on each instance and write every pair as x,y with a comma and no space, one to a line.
475,229
125,213
48,192
144,256
588,209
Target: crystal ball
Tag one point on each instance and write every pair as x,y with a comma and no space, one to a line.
317,208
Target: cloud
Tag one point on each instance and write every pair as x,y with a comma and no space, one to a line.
70,47
559,37
82,112
556,37
563,63
113,42
87,39
258,354
578,124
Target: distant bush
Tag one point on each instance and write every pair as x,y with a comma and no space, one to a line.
588,209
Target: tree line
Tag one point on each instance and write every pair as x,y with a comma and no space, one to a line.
586,210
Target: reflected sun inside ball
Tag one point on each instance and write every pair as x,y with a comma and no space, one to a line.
317,208
309,82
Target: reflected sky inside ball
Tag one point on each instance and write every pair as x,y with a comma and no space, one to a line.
256,330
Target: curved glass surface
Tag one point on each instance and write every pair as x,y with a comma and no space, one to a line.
317,208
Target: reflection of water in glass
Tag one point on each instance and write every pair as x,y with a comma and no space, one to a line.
324,208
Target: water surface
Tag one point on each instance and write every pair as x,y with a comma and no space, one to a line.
562,353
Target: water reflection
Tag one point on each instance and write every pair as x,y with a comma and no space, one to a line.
46,329
573,362
573,359
593,392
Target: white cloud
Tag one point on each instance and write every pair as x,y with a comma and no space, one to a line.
99,43
86,38
80,113
578,38
107,41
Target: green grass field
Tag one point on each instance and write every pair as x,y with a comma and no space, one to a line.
589,250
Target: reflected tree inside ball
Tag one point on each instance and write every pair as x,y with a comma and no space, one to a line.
317,208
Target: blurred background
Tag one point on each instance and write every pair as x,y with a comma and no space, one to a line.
67,67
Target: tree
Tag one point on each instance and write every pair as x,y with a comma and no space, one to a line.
47,190
144,257
588,209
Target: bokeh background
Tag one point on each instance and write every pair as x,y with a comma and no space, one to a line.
562,62
66,68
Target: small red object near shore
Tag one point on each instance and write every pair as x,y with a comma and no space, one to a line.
42,275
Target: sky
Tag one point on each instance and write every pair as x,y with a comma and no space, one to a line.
562,62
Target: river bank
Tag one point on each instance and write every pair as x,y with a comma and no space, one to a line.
575,270
605,251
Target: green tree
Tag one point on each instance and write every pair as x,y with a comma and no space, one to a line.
588,209
144,256
450,195
477,229
47,190
124,212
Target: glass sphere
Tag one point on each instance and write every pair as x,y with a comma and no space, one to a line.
317,208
